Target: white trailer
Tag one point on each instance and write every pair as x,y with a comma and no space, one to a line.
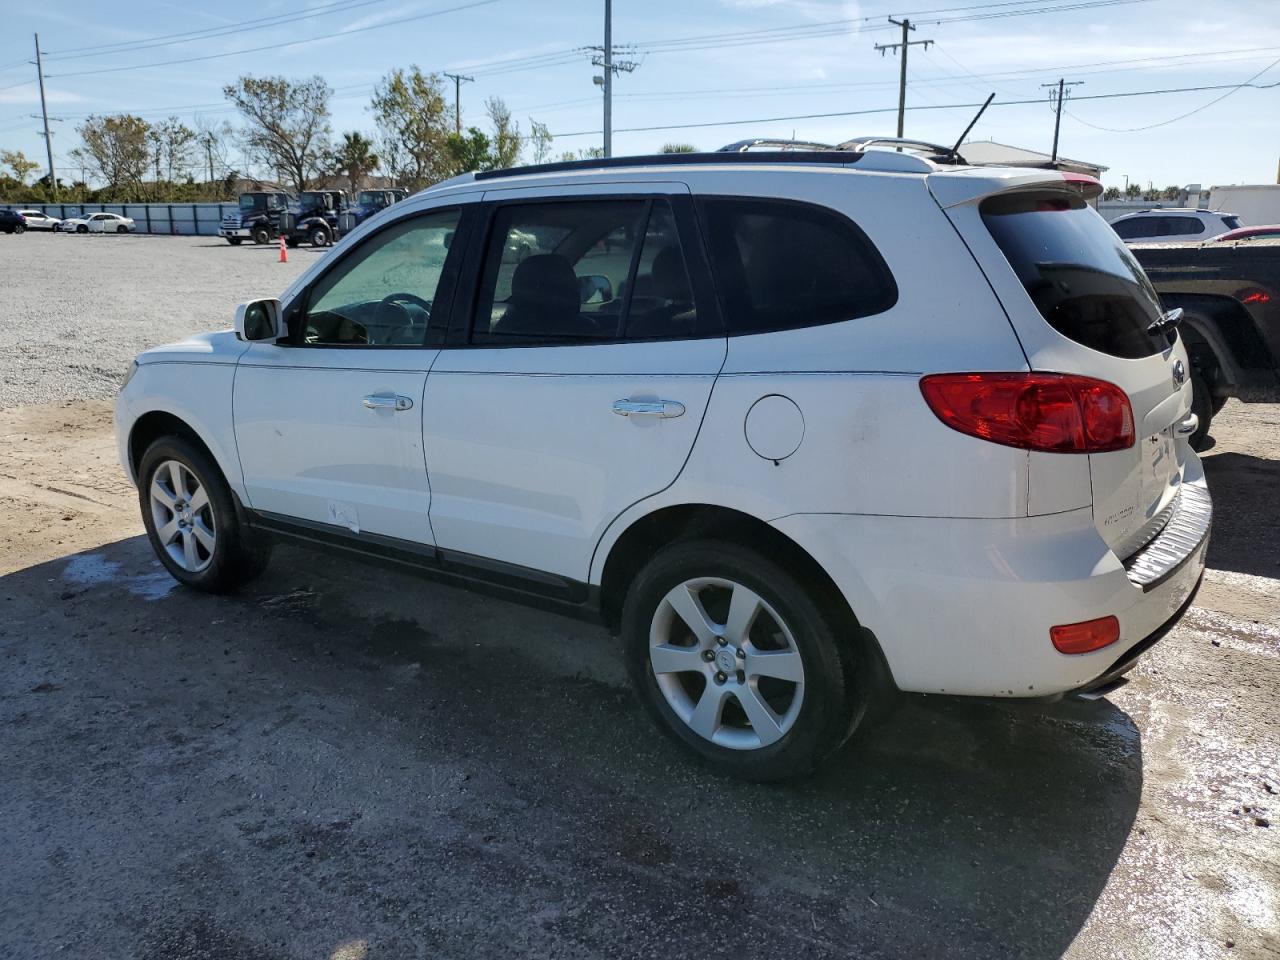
1255,205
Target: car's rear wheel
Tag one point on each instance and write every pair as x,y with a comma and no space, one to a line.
261,235
191,520
19,228
739,661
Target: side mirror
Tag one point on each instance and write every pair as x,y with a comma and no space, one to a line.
594,289
258,320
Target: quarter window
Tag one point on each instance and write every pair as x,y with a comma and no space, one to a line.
382,294
781,265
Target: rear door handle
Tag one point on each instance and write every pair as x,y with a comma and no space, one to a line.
387,401
648,408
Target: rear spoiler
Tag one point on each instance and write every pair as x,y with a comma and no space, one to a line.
952,188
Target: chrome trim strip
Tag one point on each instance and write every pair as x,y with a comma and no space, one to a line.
1184,533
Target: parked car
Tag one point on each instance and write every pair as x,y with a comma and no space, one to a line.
1248,233
98,223
804,429
12,222
1230,297
1173,225
38,220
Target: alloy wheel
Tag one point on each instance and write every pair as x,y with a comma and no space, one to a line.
185,525
726,663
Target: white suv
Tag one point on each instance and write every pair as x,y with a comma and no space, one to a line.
1173,225
800,427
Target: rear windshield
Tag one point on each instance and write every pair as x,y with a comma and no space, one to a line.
1079,274
1233,223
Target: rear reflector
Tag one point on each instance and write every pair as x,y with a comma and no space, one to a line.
1050,412
1085,637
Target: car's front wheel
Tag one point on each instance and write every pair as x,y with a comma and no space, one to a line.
261,235
122,229
235,241
82,228
319,237
19,228
191,520
739,661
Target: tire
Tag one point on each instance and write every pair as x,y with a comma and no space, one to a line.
261,235
122,229
235,241
19,228
805,722
82,228
1202,407
226,554
319,237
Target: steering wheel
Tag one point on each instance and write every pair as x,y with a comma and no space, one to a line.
405,297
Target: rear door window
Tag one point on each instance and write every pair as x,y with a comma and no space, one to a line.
1233,223
1136,229
1176,226
1077,271
783,264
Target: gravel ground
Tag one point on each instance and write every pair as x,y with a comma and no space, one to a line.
345,763
80,308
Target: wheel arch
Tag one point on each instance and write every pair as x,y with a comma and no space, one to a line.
153,425
1219,334
649,533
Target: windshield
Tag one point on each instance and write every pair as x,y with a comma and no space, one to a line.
247,202
1080,275
369,198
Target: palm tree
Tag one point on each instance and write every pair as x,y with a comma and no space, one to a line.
354,159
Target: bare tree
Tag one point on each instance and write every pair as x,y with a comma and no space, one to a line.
540,139
505,142
286,124
117,148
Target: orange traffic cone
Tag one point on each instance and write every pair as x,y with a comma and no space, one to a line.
284,257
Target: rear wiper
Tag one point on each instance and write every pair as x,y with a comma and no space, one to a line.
1167,321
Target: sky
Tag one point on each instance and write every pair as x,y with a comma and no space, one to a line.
803,68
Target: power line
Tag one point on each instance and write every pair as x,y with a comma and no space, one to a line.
209,33
946,106
1183,116
278,46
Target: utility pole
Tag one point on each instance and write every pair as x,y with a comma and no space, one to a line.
607,63
208,152
458,80
1057,92
906,26
44,111
609,69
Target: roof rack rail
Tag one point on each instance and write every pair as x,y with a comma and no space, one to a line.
745,146
826,155
934,151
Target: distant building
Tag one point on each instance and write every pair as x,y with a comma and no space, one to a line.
990,153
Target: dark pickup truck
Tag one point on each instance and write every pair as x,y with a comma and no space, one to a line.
1230,296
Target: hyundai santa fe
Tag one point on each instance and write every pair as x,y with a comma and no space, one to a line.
799,428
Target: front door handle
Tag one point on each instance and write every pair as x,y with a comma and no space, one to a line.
387,401
648,408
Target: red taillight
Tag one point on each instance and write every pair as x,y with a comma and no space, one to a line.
1085,637
1053,412
1254,295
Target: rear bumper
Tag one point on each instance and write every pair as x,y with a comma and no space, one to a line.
965,606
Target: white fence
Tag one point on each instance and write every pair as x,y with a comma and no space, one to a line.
184,219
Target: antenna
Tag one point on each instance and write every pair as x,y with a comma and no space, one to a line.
955,151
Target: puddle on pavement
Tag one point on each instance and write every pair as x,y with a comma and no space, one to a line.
93,569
